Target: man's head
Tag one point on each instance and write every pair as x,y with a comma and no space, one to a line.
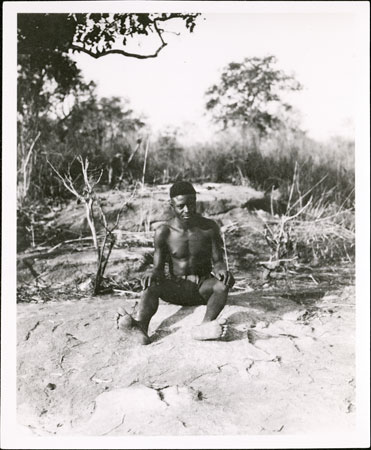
183,200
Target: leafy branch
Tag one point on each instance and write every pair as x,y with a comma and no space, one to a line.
96,34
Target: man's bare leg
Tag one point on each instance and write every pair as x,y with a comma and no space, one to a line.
131,328
216,301
211,328
137,329
147,307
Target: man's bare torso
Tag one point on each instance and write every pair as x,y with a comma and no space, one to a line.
189,251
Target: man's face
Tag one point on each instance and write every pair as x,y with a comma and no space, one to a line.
184,206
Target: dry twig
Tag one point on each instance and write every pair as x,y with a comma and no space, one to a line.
89,198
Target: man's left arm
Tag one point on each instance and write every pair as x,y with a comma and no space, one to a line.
219,265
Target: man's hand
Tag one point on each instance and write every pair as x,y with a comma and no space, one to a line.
226,277
151,278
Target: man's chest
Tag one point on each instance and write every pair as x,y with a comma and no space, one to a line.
190,243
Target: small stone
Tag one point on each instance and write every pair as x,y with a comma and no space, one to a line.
51,386
261,324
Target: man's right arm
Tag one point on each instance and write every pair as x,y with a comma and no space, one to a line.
159,257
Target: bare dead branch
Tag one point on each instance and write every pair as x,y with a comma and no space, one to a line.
84,169
88,198
278,260
112,243
69,241
134,152
31,148
159,33
90,219
292,187
118,217
94,183
103,217
115,51
26,167
145,163
99,275
67,182
225,249
28,264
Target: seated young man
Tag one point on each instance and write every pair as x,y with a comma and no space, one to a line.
192,247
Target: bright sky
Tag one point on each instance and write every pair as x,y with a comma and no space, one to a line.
319,49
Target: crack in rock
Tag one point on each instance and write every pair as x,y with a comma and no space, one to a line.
72,338
350,408
250,366
201,375
351,382
182,422
253,365
56,326
61,359
291,336
161,396
227,365
197,394
115,427
31,330
294,343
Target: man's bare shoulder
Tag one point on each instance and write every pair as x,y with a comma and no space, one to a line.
163,228
207,224
162,232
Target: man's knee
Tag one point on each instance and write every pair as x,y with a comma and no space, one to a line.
153,291
220,288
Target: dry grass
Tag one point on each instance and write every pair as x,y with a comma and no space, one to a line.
325,237
309,230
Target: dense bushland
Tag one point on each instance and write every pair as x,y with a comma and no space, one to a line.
326,170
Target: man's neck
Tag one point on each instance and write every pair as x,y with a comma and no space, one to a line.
184,225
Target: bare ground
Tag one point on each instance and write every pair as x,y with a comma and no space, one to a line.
287,365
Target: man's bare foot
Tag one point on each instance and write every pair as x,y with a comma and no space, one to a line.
210,330
131,328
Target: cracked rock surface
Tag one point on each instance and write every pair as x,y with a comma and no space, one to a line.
284,368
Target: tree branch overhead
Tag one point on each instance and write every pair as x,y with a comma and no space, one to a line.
100,35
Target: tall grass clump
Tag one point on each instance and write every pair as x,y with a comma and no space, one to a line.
310,230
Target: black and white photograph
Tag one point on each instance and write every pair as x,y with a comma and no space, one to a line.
185,234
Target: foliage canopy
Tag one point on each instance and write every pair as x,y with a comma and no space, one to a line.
46,35
249,93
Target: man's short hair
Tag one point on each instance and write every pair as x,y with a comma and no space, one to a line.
182,188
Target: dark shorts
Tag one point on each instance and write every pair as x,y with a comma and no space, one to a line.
184,291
